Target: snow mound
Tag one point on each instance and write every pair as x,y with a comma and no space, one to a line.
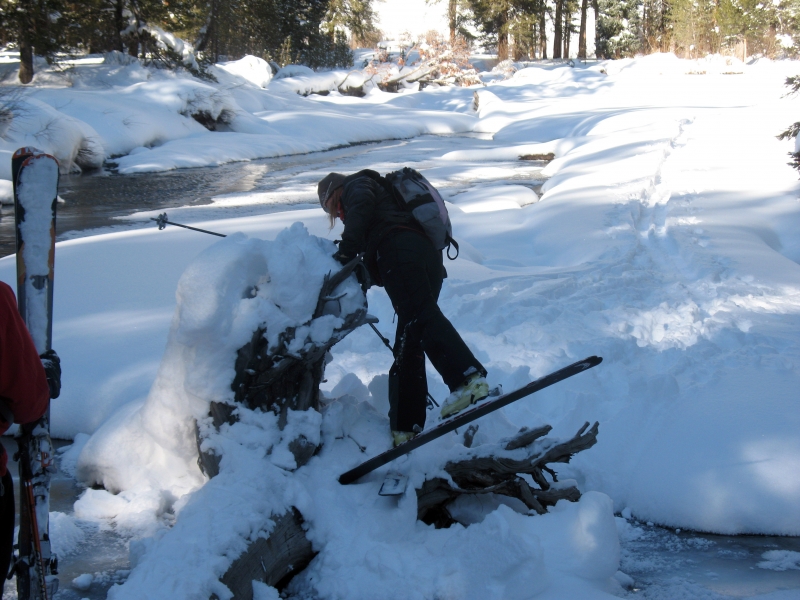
251,68
293,71
148,450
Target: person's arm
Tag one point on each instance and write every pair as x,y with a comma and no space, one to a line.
359,200
23,383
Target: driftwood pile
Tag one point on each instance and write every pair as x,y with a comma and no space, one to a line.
514,468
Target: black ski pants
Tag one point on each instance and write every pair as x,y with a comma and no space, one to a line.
412,272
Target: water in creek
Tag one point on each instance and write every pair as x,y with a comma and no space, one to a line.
96,201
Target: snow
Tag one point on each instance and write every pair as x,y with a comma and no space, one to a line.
83,582
65,533
780,560
663,239
251,68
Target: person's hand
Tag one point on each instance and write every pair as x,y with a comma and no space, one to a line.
52,368
342,258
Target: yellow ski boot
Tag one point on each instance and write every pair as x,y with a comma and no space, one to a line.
473,391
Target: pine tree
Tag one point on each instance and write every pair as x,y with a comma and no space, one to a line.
356,16
618,28
694,24
36,26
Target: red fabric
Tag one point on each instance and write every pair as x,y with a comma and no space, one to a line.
23,383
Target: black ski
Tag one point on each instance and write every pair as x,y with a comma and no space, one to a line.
461,419
35,180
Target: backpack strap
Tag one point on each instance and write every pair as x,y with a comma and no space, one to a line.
451,242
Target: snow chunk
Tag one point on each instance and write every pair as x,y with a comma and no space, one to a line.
83,582
780,560
66,536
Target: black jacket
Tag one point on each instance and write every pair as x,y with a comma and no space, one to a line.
370,215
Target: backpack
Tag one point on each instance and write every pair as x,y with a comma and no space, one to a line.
417,195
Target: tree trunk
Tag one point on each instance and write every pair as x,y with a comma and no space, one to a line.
119,25
559,25
272,560
25,61
596,10
452,17
582,32
567,31
502,37
25,42
543,35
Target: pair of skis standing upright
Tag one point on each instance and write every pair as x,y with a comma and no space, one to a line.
35,178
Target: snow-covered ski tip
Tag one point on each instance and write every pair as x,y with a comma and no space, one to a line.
461,419
35,176
35,193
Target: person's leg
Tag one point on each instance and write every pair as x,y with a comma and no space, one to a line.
407,286
408,384
412,272
6,524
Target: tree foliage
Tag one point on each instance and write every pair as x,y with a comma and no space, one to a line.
791,132
312,32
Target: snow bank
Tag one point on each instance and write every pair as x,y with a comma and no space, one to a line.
146,119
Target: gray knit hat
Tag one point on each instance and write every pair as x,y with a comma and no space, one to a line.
328,185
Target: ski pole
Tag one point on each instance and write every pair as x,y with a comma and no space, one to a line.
388,344
163,222
385,341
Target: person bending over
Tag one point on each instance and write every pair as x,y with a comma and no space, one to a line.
400,257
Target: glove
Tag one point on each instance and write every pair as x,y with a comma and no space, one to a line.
52,368
342,258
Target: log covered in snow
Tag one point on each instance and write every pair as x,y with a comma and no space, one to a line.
280,380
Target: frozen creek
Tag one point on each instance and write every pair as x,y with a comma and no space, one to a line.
663,564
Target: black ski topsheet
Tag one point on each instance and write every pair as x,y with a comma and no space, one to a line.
479,410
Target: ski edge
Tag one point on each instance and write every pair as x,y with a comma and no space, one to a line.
468,416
